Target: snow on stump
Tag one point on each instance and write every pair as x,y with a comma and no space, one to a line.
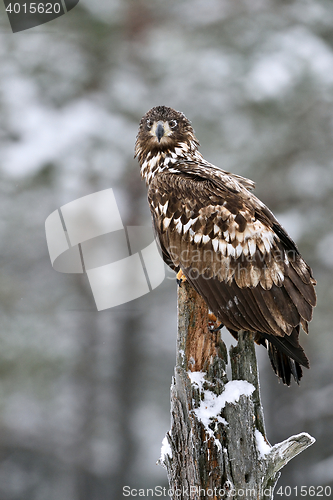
217,445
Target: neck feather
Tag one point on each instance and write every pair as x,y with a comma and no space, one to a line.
158,161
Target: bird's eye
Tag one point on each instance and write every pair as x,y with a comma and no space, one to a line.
173,123
149,123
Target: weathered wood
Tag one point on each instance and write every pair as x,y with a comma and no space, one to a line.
217,445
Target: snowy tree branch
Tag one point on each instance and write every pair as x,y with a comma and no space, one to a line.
217,442
281,453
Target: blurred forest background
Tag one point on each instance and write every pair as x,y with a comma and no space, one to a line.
84,395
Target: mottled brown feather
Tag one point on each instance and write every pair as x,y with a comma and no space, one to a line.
229,245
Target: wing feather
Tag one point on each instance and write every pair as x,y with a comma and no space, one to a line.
238,258
302,305
306,290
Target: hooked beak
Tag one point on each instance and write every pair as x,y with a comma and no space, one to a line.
159,132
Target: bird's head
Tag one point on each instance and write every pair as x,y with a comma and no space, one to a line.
163,129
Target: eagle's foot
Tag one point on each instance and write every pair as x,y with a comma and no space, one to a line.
217,329
180,277
212,321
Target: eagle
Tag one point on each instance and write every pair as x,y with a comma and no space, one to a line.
225,242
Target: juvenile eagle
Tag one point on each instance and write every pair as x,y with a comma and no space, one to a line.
226,242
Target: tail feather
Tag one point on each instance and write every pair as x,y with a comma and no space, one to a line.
284,366
286,356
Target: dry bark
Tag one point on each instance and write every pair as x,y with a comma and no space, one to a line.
220,457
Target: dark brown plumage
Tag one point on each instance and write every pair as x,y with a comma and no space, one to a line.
226,241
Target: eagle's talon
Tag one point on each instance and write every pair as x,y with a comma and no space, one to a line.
218,328
180,277
212,320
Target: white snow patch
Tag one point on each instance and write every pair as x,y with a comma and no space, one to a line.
262,446
165,449
212,405
197,378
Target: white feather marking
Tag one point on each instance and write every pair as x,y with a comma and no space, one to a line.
182,150
215,243
231,250
223,247
248,233
239,237
205,238
179,225
163,208
144,165
232,232
216,229
239,250
252,246
226,235
189,224
278,276
166,223
197,238
267,245
154,160
255,274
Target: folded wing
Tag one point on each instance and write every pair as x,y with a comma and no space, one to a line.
239,259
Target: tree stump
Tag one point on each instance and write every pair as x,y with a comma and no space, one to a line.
217,446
